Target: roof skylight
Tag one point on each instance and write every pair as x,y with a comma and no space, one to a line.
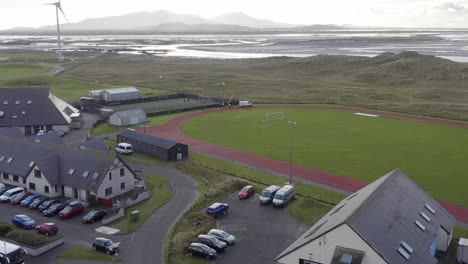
71,171
2,158
405,250
428,207
421,226
95,175
85,174
425,217
10,159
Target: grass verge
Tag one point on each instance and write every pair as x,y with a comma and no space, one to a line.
160,194
84,253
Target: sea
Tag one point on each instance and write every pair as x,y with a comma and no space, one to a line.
449,44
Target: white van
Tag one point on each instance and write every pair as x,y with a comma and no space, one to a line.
267,195
11,253
284,195
10,193
124,148
245,104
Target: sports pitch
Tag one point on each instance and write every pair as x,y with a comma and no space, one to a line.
342,143
165,105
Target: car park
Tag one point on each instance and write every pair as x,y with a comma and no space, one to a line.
93,216
5,198
124,148
284,195
212,242
105,245
217,209
74,208
246,192
47,229
16,199
54,209
223,236
23,221
267,194
201,250
37,202
47,204
28,200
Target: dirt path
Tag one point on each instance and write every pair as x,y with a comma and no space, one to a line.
171,130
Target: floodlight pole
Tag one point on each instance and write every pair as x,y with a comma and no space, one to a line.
290,123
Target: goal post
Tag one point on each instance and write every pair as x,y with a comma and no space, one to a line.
273,116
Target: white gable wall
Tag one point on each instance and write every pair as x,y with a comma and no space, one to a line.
113,180
40,184
321,249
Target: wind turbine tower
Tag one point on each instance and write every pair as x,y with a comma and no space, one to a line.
58,7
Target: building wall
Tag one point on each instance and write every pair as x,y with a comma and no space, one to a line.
179,148
10,180
133,120
321,250
115,120
443,240
40,183
64,128
114,181
155,151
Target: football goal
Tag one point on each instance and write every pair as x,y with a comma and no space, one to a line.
273,116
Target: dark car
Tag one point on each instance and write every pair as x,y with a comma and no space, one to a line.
47,204
74,208
47,229
38,201
54,209
201,250
26,202
94,216
2,191
212,242
23,221
246,192
15,200
106,245
217,209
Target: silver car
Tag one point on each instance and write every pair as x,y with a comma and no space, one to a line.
223,236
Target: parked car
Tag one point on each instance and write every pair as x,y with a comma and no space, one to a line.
124,148
2,191
6,196
28,200
105,245
217,209
246,192
37,202
54,209
267,194
16,199
284,195
201,250
223,236
23,221
212,242
41,132
74,208
47,229
94,216
47,204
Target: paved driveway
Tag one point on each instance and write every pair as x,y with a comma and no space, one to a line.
262,232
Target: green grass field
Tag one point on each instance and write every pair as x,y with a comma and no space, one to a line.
85,253
358,147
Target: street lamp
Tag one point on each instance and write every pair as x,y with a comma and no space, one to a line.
291,124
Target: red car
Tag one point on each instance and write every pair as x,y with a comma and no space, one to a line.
74,208
47,229
246,192
19,197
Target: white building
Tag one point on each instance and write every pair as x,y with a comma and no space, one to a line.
391,220
59,170
33,109
128,118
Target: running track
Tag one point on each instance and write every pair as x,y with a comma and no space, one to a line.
171,131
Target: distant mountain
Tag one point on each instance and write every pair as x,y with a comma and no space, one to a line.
242,19
320,27
182,27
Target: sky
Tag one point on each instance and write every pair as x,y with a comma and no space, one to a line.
387,13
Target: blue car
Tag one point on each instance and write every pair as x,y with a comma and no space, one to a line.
217,209
29,200
23,221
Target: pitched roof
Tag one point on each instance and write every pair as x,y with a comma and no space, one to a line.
29,106
130,113
384,214
122,90
148,139
57,161
93,144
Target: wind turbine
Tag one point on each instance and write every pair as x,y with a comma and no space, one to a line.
58,7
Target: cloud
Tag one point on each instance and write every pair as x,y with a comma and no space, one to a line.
452,7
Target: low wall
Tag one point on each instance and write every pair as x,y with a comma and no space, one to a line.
119,215
141,197
37,251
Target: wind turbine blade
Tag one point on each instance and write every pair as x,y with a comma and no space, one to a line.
59,7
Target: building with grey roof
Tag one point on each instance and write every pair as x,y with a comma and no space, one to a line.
392,220
158,147
128,117
116,94
34,109
60,170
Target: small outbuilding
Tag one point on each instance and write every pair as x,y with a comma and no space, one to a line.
158,147
120,94
128,118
